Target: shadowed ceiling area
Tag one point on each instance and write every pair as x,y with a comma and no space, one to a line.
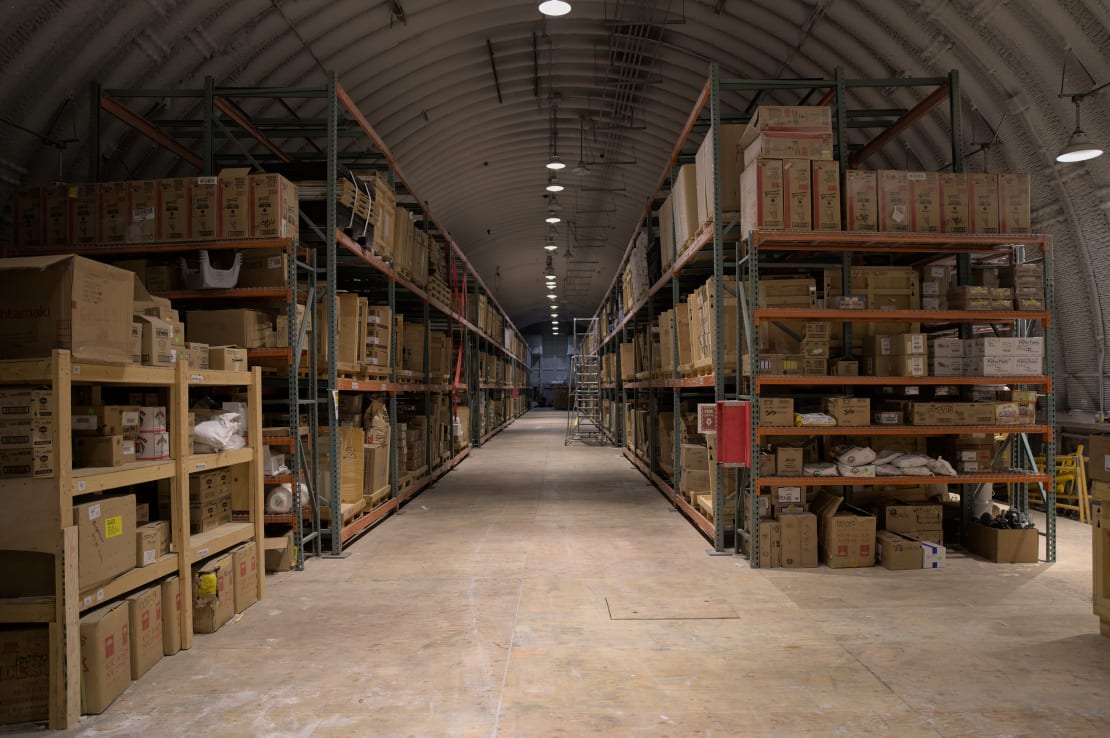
467,95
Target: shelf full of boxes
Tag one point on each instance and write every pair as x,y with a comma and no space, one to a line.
112,508
693,349
385,284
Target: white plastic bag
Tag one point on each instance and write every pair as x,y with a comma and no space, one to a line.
222,433
856,456
907,461
820,470
886,457
862,470
916,471
941,467
887,470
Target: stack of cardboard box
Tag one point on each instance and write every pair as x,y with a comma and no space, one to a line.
1027,282
26,433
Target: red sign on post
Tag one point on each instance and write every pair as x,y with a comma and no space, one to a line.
734,433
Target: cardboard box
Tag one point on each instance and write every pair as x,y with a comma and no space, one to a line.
801,145
275,212
105,657
136,343
790,495
925,202
862,198
776,411
30,217
245,560
849,411
351,463
144,611
910,519
1014,203
114,214
171,615
789,461
770,544
825,183
24,403
797,194
105,420
27,463
264,268
105,539
946,348
895,208
197,354
933,555
1004,546
725,166
897,552
983,191
956,198
762,193
55,210
152,446
227,358
1098,453
240,327
69,302
102,451
693,456
174,210
280,552
152,418
908,344
910,366
847,534
84,214
24,674
26,433
152,541
142,211
235,204
798,534
204,205
157,341
213,594
788,118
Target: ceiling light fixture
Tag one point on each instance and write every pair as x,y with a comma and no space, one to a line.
554,7
553,160
551,295
553,184
554,315
552,218
554,307
1079,147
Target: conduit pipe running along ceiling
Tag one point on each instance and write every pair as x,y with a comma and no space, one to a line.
630,70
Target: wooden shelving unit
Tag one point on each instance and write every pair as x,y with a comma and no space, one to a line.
39,512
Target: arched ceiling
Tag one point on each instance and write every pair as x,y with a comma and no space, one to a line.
626,72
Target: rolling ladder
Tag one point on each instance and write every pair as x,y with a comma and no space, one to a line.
584,418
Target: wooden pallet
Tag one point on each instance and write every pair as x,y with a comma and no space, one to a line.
704,505
348,511
378,498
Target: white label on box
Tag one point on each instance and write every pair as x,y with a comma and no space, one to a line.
128,447
1106,463
148,557
202,552
971,466
99,595
81,485
273,262
130,418
207,181
86,600
200,466
898,214
76,368
790,495
884,345
913,391
143,214
915,176
84,422
196,378
94,512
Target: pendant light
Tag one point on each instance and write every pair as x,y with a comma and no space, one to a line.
553,184
1079,147
554,7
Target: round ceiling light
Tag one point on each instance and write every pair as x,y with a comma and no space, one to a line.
551,295
551,218
554,7
556,163
1079,148
553,184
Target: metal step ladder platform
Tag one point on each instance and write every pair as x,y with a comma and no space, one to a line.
584,418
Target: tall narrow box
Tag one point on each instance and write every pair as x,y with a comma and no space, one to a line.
825,176
862,195
956,199
204,207
761,196
235,203
84,214
114,216
895,210
1014,203
30,228
798,195
983,189
925,202
142,211
105,657
174,210
274,211
144,610
55,210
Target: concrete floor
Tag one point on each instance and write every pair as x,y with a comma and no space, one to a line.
540,590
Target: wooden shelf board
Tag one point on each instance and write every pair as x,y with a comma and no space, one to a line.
899,430
910,316
996,477
27,610
212,542
219,378
128,581
98,479
163,376
207,462
826,381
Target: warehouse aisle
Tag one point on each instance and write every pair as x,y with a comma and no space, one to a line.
540,591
